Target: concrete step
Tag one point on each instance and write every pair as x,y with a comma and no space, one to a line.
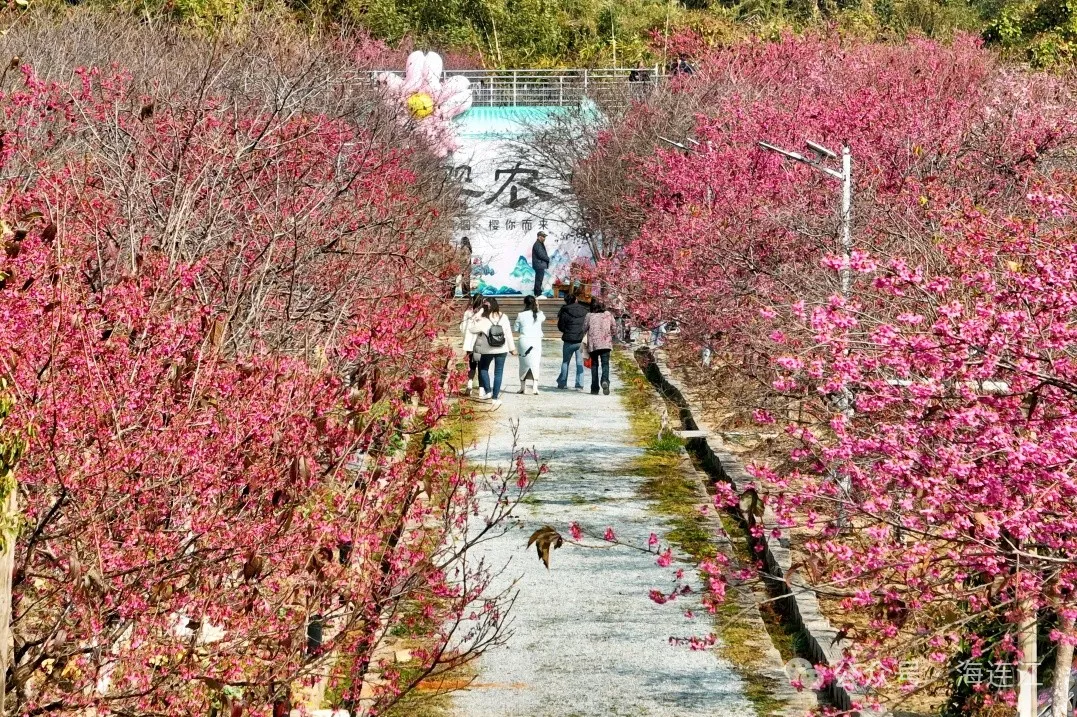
511,306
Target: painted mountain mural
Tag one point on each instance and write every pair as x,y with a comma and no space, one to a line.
523,271
491,290
560,262
522,277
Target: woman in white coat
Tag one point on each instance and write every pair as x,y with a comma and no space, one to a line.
473,312
493,343
529,327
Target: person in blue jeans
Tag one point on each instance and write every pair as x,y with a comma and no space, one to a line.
572,323
493,346
600,324
567,352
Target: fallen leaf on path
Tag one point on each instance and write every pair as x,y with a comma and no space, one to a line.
543,539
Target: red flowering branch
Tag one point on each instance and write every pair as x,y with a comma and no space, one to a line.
953,470
233,487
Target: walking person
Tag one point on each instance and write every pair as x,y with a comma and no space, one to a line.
572,323
474,311
639,80
529,330
540,261
657,334
493,343
599,345
624,327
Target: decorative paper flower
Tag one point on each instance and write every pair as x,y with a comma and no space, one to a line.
429,102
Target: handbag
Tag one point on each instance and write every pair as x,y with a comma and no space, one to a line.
587,362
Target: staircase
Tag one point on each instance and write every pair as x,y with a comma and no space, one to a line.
510,306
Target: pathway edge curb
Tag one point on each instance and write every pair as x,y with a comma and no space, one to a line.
801,607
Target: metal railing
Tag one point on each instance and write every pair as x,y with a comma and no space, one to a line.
554,88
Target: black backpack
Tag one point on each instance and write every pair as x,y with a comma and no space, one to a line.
496,336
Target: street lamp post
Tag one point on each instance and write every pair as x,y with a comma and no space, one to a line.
846,217
691,150
845,176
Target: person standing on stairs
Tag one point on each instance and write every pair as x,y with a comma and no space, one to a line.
540,262
600,325
572,323
493,343
529,328
473,312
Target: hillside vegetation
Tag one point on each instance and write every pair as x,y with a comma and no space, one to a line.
552,33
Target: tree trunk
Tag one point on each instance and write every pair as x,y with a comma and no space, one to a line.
1060,698
7,568
1026,675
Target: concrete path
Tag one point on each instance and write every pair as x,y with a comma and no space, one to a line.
588,642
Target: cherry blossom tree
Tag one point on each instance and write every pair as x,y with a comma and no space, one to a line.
954,471
219,304
927,413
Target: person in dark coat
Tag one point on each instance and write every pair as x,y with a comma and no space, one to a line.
540,262
639,74
572,323
683,66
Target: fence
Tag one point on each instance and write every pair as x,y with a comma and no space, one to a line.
555,88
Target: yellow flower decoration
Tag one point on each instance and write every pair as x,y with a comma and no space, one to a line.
421,105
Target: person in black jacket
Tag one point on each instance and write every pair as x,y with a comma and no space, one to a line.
540,262
572,323
681,66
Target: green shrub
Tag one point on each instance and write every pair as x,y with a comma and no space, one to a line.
666,443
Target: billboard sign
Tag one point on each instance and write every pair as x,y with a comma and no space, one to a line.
509,203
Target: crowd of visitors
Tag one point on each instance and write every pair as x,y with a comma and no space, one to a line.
587,332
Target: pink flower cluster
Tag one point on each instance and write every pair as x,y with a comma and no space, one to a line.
936,403
219,405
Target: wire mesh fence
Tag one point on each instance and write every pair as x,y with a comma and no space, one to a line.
555,88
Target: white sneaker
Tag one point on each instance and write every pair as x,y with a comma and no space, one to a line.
536,390
483,395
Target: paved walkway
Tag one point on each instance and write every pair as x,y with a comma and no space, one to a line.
588,642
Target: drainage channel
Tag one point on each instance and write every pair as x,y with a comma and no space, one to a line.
777,606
